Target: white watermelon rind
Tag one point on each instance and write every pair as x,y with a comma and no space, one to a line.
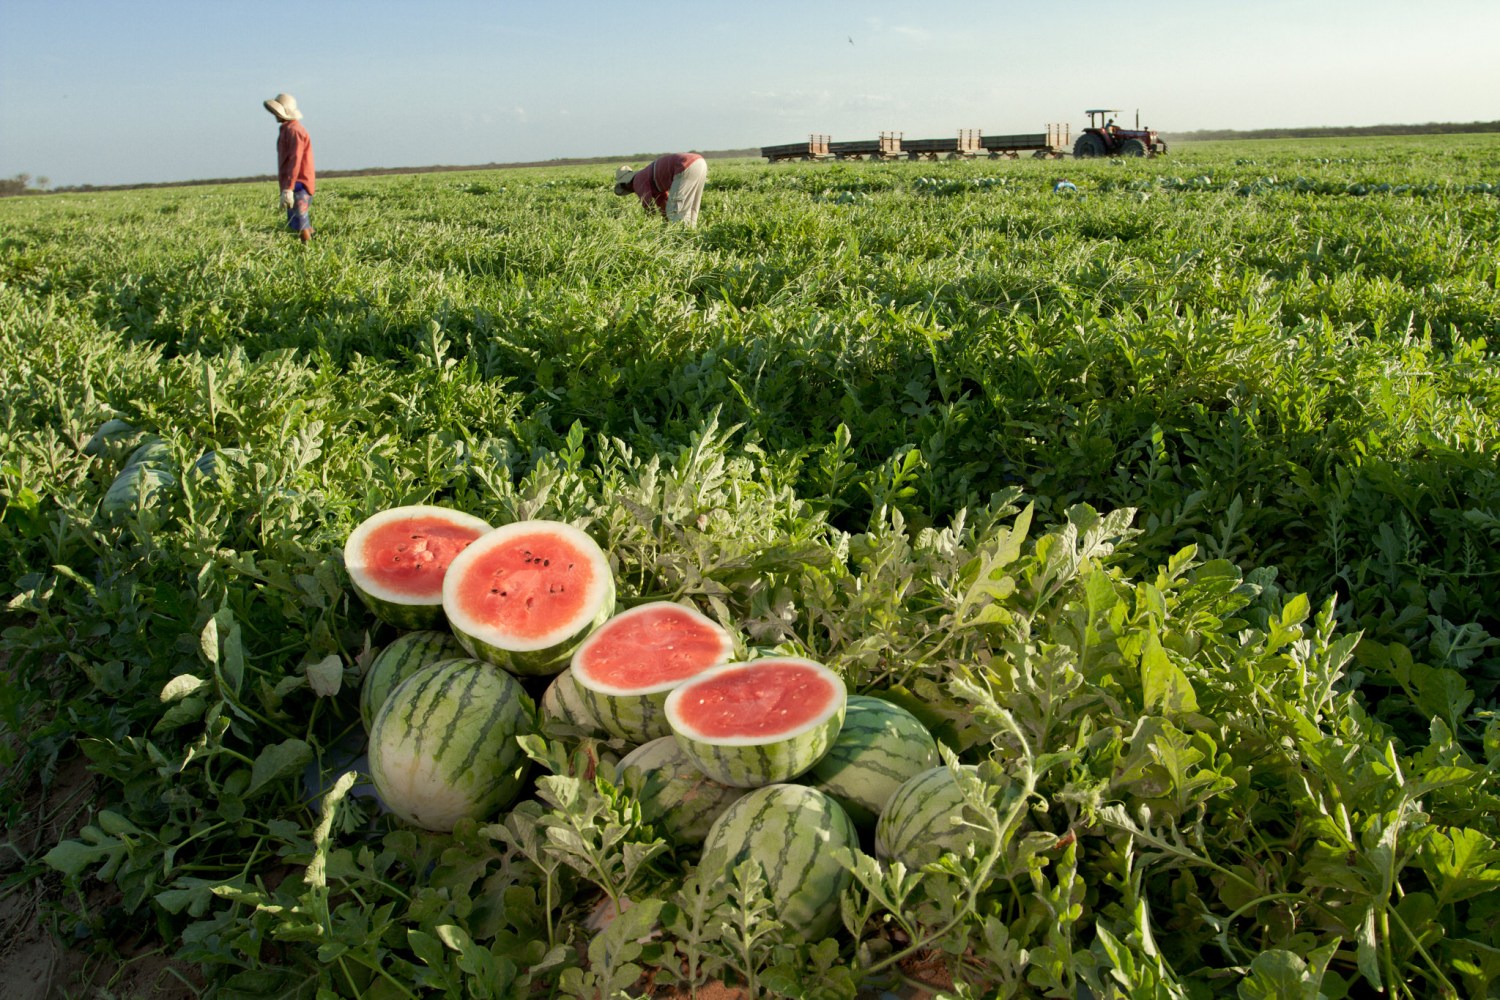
638,714
443,747
679,800
752,762
403,611
550,653
880,746
794,832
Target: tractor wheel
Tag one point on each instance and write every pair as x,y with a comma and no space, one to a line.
1088,144
1134,147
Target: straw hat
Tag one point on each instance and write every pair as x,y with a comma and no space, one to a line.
283,106
623,177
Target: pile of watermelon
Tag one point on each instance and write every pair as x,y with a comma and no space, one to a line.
763,758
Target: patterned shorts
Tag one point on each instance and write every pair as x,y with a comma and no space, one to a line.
299,216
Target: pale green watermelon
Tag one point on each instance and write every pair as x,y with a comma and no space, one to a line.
146,476
676,798
793,832
927,817
443,746
565,712
405,655
880,746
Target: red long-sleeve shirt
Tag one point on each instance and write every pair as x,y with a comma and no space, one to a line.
652,182
294,157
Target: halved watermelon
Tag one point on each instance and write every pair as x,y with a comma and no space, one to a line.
758,722
527,593
397,558
625,668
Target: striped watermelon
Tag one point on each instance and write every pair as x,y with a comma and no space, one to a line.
565,712
758,722
397,559
527,593
880,746
405,655
625,668
146,475
927,817
113,433
443,746
213,463
793,831
675,797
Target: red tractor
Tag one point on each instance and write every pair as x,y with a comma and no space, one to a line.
1104,138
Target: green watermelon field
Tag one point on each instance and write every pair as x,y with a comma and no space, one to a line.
1170,508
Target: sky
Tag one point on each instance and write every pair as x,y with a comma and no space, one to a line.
114,92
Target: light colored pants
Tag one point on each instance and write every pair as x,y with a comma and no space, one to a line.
686,194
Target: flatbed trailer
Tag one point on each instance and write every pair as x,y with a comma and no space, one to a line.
1055,143
815,148
964,146
887,147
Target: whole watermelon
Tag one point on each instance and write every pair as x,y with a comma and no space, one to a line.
405,655
929,816
443,746
677,798
880,746
793,832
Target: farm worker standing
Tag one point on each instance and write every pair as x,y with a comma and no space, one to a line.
294,165
670,184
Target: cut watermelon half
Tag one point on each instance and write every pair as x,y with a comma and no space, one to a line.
524,595
397,558
759,722
626,667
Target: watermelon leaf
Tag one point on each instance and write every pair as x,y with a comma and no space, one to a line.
277,761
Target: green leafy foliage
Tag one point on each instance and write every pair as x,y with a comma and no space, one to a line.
1173,508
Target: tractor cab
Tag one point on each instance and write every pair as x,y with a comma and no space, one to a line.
1101,118
1104,137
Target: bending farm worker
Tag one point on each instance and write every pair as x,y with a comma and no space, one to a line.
294,165
670,184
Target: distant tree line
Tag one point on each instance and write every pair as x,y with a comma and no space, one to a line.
21,184
1333,131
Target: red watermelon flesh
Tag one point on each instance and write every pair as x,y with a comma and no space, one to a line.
651,647
763,699
409,557
528,586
